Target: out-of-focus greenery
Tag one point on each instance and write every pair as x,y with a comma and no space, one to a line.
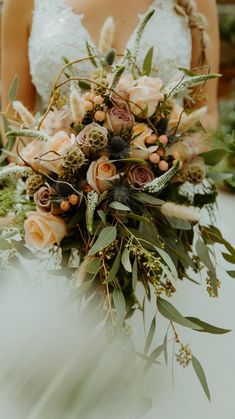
227,22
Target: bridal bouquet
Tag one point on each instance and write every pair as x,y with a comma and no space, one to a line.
113,175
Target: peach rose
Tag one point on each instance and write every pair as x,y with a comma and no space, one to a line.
42,230
138,147
146,94
33,150
99,173
187,121
56,147
57,121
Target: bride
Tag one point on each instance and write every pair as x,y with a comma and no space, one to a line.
38,34
33,46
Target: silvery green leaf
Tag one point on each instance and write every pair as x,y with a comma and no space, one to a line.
167,259
168,311
120,305
208,328
119,206
134,275
213,157
106,237
115,268
150,335
147,65
201,376
126,260
93,266
13,89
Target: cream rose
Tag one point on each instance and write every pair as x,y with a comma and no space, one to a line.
42,230
99,173
185,121
56,147
138,147
57,121
146,95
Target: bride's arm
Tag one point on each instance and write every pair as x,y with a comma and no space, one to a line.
16,22
209,9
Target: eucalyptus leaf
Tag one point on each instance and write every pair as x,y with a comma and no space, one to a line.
13,89
4,244
208,328
213,157
119,206
148,199
126,260
231,273
120,305
168,311
106,237
168,261
147,65
153,356
90,54
115,267
203,254
201,376
93,266
150,335
165,349
229,258
102,216
135,275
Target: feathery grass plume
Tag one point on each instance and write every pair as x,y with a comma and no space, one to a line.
158,184
77,106
64,366
12,171
92,199
107,35
188,82
29,133
140,32
26,116
169,209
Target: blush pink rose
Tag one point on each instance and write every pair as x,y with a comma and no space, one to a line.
42,230
119,118
122,89
100,173
146,95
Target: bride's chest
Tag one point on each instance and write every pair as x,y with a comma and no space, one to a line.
57,32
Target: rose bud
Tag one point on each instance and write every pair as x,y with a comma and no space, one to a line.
139,175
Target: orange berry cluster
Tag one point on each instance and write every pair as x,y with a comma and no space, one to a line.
93,101
65,205
158,157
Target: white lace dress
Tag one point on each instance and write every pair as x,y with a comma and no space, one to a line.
58,32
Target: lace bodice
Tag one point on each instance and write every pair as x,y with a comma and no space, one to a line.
58,32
